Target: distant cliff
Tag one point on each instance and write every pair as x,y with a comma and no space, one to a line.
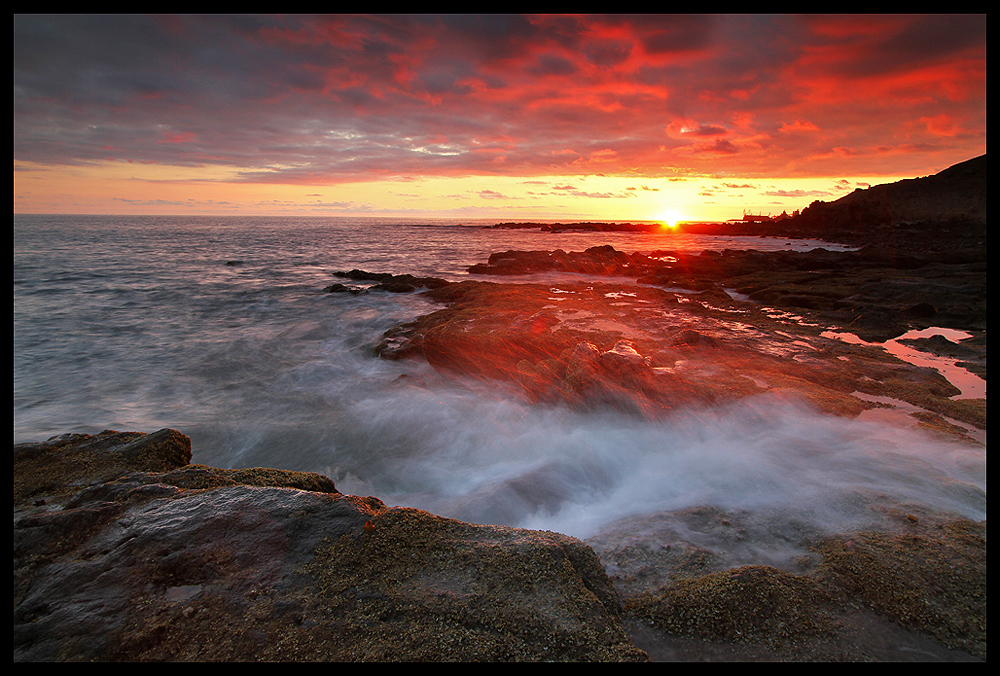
956,193
945,210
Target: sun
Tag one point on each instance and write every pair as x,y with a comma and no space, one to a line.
670,218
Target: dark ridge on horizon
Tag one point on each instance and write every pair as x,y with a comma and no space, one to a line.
944,210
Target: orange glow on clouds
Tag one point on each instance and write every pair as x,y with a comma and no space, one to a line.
495,115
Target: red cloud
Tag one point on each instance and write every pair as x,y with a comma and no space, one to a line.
181,137
351,96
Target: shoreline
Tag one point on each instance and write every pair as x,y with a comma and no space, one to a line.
277,565
281,562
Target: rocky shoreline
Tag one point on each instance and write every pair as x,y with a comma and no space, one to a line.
649,333
125,551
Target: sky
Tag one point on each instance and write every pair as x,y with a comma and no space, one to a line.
511,117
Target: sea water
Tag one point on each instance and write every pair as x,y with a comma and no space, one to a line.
220,327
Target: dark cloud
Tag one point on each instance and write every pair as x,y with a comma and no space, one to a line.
303,98
551,64
673,33
705,130
898,43
720,145
608,52
796,193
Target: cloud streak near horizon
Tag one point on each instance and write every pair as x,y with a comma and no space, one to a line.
332,98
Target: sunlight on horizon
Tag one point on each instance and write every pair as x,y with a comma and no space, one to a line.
670,218
110,188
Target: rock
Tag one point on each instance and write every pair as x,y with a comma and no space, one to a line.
876,325
598,260
542,381
125,552
395,287
391,283
691,338
343,288
929,579
620,377
633,348
939,345
582,368
625,365
867,595
749,603
941,212
921,310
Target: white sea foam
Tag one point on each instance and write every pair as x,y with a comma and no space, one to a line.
496,460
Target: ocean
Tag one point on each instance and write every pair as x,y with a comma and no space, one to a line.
220,327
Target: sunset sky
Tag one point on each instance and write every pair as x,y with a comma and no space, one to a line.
624,117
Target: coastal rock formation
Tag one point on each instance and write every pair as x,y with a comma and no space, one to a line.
648,350
873,292
908,213
927,580
123,551
945,211
384,281
599,260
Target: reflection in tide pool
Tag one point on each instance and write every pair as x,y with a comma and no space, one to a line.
971,385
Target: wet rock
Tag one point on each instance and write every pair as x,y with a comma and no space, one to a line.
600,260
395,287
633,348
343,288
876,325
582,368
940,345
749,603
920,310
922,584
125,552
691,338
930,579
392,283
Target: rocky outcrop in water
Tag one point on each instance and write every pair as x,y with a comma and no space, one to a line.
384,281
123,551
697,344
598,260
943,211
873,292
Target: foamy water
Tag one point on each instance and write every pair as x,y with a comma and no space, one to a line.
219,328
